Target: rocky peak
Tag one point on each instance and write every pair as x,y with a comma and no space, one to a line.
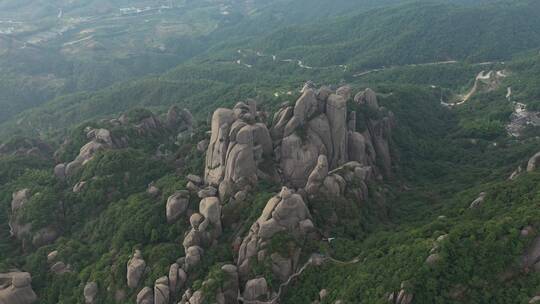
239,143
319,123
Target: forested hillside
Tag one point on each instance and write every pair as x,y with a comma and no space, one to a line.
64,47
337,51
270,152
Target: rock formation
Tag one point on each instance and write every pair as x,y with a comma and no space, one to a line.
135,269
286,212
319,124
238,144
19,199
534,163
177,278
161,291
60,268
145,296
15,288
22,230
90,292
177,204
100,139
180,120
256,289
401,297
193,257
531,258
313,148
478,201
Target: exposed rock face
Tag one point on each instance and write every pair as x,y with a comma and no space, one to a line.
19,199
44,236
153,190
57,267
217,148
21,230
202,145
196,298
161,291
298,159
207,192
60,268
280,120
531,258
180,120
173,277
318,175
357,147
177,204
256,289
210,209
100,139
478,201
516,173
321,125
145,296
433,259
317,152
379,134
318,124
401,297
15,288
148,124
135,269
282,267
285,212
367,97
350,178
193,257
225,293
60,171
51,257
194,179
336,111
230,293
238,144
90,292
79,187
534,163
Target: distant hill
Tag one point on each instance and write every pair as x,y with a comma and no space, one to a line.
413,33
396,35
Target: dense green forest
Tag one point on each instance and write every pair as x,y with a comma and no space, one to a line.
449,223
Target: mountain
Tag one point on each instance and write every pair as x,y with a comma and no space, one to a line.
290,152
67,47
360,42
412,33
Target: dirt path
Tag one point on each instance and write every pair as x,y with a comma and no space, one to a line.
315,259
491,79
